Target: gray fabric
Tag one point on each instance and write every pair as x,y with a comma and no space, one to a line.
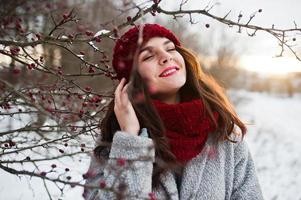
221,172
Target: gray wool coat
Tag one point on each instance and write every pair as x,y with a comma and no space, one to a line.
222,172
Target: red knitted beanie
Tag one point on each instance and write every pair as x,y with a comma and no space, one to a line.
125,46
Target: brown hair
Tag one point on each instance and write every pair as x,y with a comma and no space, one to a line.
198,85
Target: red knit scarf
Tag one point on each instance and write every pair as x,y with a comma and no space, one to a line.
187,127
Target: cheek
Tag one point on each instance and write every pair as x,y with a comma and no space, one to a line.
146,71
181,60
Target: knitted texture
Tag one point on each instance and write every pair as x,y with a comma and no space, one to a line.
187,127
126,46
230,175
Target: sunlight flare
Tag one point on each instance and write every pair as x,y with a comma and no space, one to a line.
271,65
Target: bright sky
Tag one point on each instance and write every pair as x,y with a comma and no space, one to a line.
270,65
257,53
261,51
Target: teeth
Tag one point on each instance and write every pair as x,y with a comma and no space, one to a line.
168,72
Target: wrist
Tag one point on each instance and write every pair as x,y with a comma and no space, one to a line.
131,131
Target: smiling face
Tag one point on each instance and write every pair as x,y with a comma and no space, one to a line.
163,68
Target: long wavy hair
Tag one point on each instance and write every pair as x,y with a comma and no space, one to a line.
198,85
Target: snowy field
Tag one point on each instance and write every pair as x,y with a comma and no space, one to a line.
274,138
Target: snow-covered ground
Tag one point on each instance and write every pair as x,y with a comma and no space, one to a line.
274,136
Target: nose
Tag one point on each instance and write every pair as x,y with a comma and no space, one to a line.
165,57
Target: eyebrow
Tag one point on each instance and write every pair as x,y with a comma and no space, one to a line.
147,48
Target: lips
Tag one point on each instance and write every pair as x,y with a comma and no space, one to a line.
169,71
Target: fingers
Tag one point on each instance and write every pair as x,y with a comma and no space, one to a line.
121,97
119,86
118,90
124,99
125,88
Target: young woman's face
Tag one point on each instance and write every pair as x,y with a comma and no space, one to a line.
162,66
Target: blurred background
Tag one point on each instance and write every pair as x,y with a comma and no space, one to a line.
264,87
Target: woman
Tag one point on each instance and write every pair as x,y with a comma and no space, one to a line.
170,132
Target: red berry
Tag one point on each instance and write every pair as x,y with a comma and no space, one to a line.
89,33
85,176
102,184
120,162
129,18
39,36
98,39
115,31
153,12
88,88
48,5
152,196
14,51
43,173
22,30
66,16
16,71
91,70
82,145
18,25
11,143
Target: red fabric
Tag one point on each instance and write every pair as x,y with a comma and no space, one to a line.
125,47
187,127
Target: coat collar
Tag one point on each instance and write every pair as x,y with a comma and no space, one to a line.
191,177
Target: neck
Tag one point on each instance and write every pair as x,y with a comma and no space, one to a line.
169,99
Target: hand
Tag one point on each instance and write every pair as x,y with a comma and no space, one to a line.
124,110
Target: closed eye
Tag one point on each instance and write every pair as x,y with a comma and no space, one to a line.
147,58
172,49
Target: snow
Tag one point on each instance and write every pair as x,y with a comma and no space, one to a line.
273,137
101,32
274,140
